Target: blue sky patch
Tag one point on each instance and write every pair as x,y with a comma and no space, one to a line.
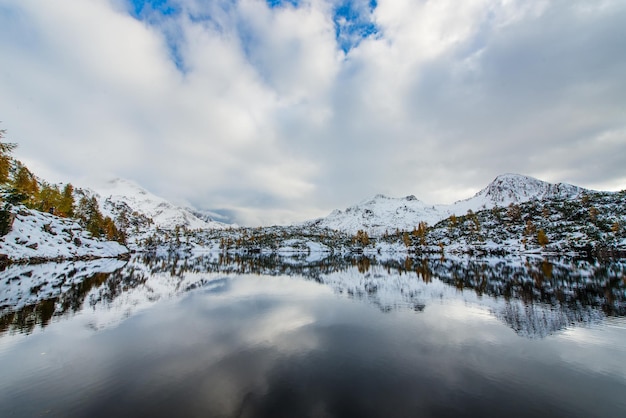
353,22
352,19
279,3
139,8
153,12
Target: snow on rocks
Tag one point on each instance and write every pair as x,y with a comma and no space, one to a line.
386,214
38,236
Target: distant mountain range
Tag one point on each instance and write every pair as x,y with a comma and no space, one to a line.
382,214
513,214
485,223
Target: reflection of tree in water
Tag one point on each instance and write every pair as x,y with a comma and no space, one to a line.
28,317
571,283
565,282
539,296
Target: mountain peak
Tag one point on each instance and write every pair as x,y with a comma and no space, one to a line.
120,193
514,188
382,213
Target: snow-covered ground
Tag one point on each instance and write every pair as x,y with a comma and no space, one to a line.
40,236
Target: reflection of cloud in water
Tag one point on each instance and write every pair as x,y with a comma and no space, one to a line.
271,346
610,338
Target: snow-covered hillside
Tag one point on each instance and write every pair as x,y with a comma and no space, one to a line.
382,214
120,192
40,236
141,214
386,214
514,188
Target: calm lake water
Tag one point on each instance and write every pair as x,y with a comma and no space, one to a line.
296,337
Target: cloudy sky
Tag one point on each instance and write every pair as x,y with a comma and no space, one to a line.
282,110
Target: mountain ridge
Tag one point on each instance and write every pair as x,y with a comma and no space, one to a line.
142,214
382,214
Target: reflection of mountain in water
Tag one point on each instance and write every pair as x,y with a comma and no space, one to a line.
535,297
540,320
542,296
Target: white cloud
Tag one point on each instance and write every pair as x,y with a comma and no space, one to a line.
271,119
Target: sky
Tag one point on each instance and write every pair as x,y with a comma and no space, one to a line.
277,111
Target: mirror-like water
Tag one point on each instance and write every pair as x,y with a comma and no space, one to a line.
331,337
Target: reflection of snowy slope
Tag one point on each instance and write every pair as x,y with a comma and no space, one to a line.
29,284
104,291
382,213
520,293
113,303
40,235
540,320
517,292
388,290
395,291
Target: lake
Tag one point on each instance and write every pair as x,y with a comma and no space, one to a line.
263,336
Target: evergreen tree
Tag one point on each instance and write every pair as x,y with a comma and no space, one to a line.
406,240
110,231
24,187
420,232
514,212
49,198
361,237
5,157
66,204
90,216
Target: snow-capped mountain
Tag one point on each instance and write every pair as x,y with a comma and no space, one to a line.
516,188
382,213
141,215
120,194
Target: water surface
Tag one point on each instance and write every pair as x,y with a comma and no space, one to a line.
331,337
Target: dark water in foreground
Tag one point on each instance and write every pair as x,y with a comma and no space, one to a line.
310,337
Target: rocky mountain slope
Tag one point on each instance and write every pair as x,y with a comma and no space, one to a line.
142,215
593,223
512,215
383,214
